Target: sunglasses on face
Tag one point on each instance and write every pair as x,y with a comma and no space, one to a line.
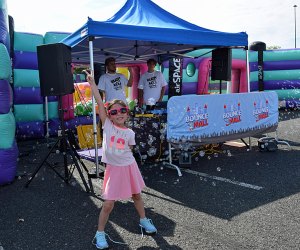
122,110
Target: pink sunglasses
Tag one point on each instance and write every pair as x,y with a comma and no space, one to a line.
122,110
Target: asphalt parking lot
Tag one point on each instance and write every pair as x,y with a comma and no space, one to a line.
232,199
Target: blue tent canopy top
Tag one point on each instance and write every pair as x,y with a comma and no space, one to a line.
141,30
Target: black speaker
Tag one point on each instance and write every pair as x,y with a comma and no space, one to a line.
221,64
54,63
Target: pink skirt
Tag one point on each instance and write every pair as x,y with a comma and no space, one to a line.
120,183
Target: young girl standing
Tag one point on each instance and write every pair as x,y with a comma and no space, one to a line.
122,177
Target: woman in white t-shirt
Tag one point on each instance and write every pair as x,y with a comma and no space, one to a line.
122,177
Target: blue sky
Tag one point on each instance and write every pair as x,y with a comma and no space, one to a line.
270,21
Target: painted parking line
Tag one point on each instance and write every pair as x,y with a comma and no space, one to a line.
242,184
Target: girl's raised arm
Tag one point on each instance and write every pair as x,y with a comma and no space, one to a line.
91,81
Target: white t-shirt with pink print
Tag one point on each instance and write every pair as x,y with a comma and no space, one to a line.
116,142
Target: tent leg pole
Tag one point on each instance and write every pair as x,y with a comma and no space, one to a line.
247,70
94,110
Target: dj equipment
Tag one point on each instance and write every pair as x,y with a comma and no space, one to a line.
150,135
267,144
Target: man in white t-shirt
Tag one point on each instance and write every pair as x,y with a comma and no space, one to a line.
151,87
113,84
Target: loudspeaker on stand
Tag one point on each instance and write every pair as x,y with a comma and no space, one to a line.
221,64
54,64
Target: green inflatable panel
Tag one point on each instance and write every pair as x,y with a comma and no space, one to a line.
82,77
53,110
276,55
29,112
204,53
26,78
239,54
54,37
165,98
27,41
7,130
166,74
3,4
281,55
200,53
282,74
288,94
253,76
253,56
5,64
292,74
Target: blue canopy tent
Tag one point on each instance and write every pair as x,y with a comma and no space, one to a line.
141,30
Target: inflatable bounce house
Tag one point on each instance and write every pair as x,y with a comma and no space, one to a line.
276,70
8,146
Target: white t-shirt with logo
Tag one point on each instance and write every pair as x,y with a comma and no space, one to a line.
152,84
116,142
114,86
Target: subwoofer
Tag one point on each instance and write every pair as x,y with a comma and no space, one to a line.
54,64
221,64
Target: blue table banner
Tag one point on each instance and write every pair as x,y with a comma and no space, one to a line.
217,118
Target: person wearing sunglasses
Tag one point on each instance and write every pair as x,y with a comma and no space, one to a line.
151,87
122,177
113,84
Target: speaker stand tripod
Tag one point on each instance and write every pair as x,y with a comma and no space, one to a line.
67,149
